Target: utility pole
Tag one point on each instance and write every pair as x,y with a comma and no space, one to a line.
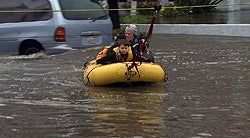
133,6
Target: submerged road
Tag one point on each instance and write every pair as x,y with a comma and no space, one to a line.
207,94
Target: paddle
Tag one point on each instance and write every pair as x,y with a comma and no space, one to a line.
145,44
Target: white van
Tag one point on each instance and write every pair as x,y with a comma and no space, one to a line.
52,26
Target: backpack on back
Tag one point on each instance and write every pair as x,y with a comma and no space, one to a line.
103,53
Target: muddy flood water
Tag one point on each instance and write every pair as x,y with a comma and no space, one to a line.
207,94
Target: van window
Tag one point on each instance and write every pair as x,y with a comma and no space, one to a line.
96,14
18,6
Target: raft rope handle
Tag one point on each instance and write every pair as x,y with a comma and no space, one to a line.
134,64
165,76
88,80
128,76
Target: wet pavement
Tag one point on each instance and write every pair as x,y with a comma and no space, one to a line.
207,94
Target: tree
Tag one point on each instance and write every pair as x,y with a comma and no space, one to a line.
114,14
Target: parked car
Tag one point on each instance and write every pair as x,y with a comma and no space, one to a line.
52,26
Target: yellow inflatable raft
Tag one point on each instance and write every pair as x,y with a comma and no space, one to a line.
100,75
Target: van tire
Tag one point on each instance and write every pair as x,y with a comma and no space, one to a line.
29,47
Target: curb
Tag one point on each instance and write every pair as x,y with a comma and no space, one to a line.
198,29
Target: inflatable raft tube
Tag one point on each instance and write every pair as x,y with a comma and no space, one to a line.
100,75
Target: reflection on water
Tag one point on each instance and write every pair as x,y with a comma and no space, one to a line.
101,111
121,111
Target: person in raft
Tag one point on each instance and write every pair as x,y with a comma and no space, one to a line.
138,44
122,53
131,36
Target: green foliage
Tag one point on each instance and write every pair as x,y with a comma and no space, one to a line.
117,31
137,19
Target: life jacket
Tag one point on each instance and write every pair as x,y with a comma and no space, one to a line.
103,53
119,57
135,45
